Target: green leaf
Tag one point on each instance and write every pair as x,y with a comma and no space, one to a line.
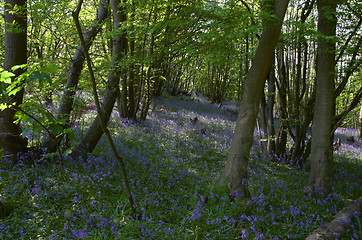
70,134
14,91
37,128
49,116
6,77
42,77
55,129
63,121
50,69
67,152
3,106
2,88
4,175
27,131
22,66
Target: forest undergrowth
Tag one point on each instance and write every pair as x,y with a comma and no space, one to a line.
172,158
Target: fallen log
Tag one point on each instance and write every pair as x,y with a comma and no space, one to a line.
338,226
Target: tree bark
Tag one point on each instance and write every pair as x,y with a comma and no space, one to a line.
75,69
235,173
94,133
15,54
269,111
127,98
320,179
299,86
360,124
124,74
281,141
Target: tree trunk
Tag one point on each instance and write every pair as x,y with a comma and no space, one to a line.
296,105
94,133
360,124
75,69
269,111
131,84
301,125
337,228
235,173
262,121
15,54
159,67
124,74
127,98
281,141
320,179
147,96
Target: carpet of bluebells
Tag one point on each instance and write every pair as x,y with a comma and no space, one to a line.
172,163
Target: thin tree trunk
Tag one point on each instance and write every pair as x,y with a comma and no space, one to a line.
360,124
308,117
159,62
75,69
147,96
269,111
235,173
296,104
240,75
15,17
128,102
263,122
299,87
100,114
94,133
320,178
124,75
131,83
281,140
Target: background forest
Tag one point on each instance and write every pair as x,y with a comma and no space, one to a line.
180,119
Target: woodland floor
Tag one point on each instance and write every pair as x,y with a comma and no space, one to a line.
172,164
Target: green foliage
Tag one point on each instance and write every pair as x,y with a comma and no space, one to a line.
6,77
33,73
172,169
32,114
4,176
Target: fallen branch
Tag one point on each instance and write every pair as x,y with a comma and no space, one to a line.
338,226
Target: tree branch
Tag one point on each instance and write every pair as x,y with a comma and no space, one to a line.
338,226
344,47
351,106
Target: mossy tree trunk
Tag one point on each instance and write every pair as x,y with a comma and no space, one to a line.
235,173
320,179
15,16
75,70
94,133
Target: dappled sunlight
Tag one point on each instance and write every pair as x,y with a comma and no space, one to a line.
172,165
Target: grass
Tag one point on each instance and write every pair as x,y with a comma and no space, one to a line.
172,164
